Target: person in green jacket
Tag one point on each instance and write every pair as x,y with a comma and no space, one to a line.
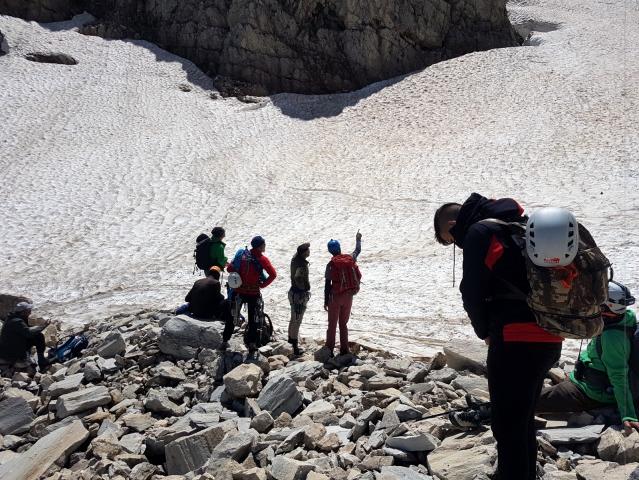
218,259
601,376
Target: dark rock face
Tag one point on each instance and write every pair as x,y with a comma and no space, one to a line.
41,10
4,47
307,46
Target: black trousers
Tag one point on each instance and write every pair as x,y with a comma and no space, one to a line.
251,330
516,372
566,397
224,312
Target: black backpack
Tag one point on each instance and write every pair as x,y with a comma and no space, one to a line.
202,252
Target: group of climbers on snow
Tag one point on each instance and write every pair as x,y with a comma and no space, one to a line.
250,271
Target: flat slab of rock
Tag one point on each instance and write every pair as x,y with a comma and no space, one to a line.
169,371
453,464
182,336
188,453
318,407
82,400
112,345
600,470
564,436
67,385
33,463
467,356
284,468
301,371
401,473
15,416
280,395
422,442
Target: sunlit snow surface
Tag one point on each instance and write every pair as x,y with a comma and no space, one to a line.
109,170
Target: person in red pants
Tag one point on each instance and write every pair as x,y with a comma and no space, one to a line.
342,280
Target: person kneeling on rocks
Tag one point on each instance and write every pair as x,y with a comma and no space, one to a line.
207,302
601,377
17,338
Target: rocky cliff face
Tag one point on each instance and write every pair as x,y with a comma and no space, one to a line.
306,46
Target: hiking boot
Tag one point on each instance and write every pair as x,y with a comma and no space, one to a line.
297,351
43,364
466,420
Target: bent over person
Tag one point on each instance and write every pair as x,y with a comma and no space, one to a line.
299,294
342,279
520,352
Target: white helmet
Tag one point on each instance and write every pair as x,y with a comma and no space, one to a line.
619,297
552,237
234,281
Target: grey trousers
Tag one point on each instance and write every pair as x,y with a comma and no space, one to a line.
298,301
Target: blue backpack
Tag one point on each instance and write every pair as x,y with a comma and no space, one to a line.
71,348
245,254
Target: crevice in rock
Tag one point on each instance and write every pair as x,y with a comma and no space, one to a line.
51,57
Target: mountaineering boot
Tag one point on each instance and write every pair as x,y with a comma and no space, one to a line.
469,419
296,349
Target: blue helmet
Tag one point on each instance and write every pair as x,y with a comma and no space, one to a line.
334,247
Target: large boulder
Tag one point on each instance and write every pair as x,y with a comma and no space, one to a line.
15,416
467,356
280,395
182,336
38,459
112,345
82,400
284,468
244,381
188,453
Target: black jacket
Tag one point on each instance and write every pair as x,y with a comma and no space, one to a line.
490,255
17,339
205,298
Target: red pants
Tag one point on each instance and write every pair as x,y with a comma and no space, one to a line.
339,311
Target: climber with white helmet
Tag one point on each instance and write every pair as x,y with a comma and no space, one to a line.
520,352
602,375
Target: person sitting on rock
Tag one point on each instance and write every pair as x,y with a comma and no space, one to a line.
206,301
17,338
601,376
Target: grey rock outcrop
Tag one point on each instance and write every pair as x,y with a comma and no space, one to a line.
112,345
279,395
4,48
15,415
307,46
182,337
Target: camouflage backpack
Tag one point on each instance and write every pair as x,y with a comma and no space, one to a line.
566,300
